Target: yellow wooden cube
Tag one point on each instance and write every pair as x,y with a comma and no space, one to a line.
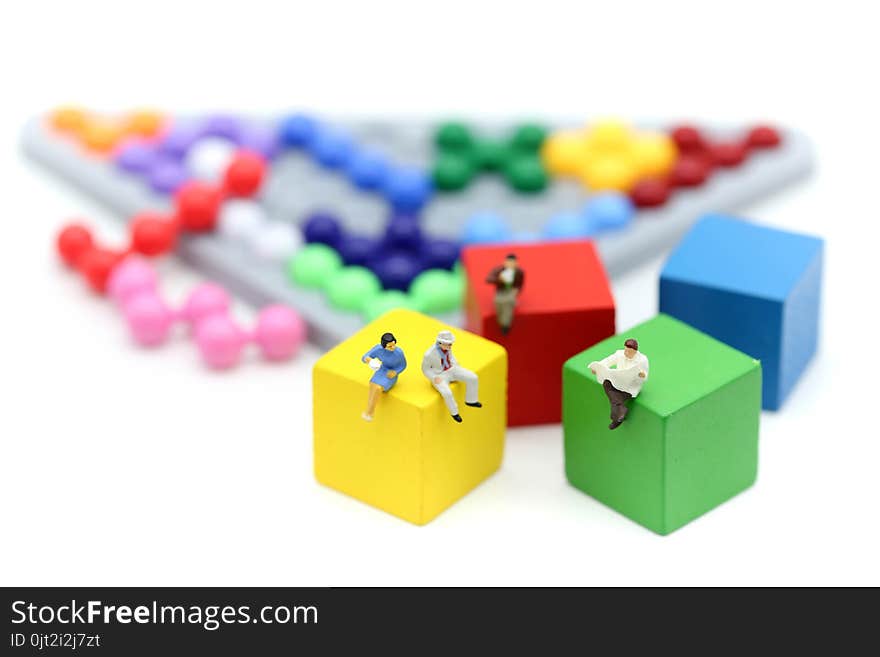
413,460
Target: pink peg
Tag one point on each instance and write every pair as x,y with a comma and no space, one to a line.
279,333
133,284
220,341
131,277
149,318
206,300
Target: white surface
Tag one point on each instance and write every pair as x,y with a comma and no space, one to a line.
123,467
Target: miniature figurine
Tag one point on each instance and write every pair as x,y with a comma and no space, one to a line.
622,375
508,281
441,368
387,361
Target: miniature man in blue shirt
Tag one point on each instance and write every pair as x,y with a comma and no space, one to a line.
388,361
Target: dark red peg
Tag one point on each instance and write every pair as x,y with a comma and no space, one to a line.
688,139
650,193
728,153
763,136
690,171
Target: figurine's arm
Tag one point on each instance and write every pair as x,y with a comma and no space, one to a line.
429,369
372,353
610,360
643,369
493,276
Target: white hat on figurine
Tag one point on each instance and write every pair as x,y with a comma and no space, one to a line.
445,337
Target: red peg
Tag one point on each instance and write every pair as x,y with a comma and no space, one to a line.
688,139
728,154
690,171
245,173
197,205
650,193
763,136
96,265
72,242
152,233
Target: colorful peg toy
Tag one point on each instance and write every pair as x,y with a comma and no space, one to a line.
133,285
197,207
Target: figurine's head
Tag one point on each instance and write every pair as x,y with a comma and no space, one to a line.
630,348
389,341
445,340
510,260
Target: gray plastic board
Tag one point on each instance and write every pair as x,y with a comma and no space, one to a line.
296,186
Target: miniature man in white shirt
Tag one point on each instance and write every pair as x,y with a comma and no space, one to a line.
628,368
441,368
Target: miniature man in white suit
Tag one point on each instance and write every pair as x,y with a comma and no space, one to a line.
441,368
622,375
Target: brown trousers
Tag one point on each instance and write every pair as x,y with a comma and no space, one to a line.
618,400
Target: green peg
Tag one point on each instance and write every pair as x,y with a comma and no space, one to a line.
352,287
526,174
529,137
437,291
490,154
313,265
454,136
381,303
452,171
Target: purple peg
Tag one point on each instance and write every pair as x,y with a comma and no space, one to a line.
136,157
260,139
180,139
167,175
224,126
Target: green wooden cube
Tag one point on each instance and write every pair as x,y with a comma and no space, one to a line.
690,440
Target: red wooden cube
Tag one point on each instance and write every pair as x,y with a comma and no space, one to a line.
564,307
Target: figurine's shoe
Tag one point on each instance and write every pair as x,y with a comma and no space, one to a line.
474,404
615,424
505,330
368,418
456,417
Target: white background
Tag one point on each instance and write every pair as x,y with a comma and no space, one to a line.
124,467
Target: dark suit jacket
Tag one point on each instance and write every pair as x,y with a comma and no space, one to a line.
494,278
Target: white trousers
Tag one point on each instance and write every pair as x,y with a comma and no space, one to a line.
457,373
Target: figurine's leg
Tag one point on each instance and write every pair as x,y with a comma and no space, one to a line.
618,400
609,392
471,384
446,392
505,302
372,398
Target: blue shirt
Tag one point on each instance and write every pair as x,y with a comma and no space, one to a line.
391,360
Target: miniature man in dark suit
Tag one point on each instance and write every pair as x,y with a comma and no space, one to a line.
508,281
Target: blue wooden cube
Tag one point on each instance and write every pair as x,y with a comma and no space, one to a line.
752,287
